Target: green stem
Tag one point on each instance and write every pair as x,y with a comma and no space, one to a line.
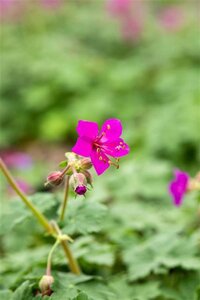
41,218
49,260
73,264
64,204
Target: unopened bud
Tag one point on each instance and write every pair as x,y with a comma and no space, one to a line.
45,284
79,183
55,178
86,163
81,190
88,177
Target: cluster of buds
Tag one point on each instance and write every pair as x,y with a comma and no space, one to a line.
76,167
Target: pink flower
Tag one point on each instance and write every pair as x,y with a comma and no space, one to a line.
19,160
119,7
51,4
99,145
172,18
178,187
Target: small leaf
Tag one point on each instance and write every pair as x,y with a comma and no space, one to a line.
23,292
63,163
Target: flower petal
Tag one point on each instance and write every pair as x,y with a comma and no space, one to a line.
111,130
176,193
116,148
100,161
82,147
87,129
178,187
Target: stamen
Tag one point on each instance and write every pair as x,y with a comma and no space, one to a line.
111,163
108,126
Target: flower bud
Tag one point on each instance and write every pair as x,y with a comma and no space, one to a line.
79,183
81,190
88,177
55,178
45,284
86,163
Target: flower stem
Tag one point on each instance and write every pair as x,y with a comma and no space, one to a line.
41,218
64,204
73,264
49,259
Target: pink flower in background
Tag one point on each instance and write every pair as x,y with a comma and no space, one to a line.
19,160
131,16
23,185
51,4
119,7
178,187
99,145
172,18
11,9
131,29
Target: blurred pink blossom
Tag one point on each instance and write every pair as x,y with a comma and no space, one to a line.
172,18
131,29
19,160
11,10
131,16
23,185
119,7
51,4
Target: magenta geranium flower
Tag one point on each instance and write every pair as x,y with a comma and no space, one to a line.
100,145
178,187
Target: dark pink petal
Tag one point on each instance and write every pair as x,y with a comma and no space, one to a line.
111,130
178,187
87,129
100,161
116,148
82,147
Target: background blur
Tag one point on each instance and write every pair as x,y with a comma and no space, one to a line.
65,60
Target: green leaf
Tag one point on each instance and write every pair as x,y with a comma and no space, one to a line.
127,291
181,286
93,252
5,295
63,163
84,216
15,212
166,250
82,296
23,292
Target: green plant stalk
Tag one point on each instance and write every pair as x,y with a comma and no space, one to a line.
64,203
49,260
41,218
73,264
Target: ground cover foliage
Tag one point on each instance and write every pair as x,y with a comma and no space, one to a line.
131,242
129,245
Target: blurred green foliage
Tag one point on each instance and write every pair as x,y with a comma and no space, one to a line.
58,67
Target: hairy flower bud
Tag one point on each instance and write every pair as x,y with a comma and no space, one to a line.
55,178
86,163
79,183
45,284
